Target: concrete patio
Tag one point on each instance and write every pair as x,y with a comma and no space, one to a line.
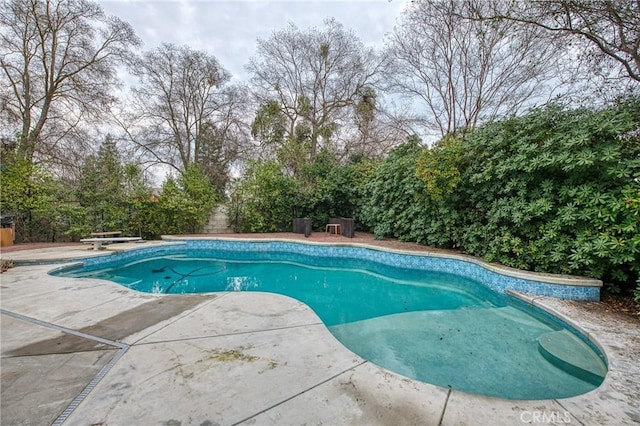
91,352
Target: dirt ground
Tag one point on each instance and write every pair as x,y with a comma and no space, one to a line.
622,303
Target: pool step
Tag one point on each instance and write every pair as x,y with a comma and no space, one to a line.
567,352
491,351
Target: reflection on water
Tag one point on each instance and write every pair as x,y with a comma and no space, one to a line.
156,288
242,283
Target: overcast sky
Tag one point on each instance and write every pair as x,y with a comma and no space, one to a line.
228,29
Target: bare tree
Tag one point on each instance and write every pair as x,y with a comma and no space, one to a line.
59,64
377,128
307,80
460,72
183,111
225,142
610,29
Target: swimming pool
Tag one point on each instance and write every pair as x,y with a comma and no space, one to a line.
424,322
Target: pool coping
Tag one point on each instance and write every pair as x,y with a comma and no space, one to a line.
614,402
546,278
495,277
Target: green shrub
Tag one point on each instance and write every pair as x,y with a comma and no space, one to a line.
28,193
329,189
557,190
185,204
394,196
265,200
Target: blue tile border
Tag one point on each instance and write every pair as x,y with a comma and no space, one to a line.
475,269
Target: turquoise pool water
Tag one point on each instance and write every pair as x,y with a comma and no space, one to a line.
436,327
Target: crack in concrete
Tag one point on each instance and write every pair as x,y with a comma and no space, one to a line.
298,394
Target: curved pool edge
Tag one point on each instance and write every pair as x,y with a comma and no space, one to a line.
542,303
236,247
617,337
558,286
614,402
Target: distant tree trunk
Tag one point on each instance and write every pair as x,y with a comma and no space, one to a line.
461,71
188,113
58,68
307,82
607,29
